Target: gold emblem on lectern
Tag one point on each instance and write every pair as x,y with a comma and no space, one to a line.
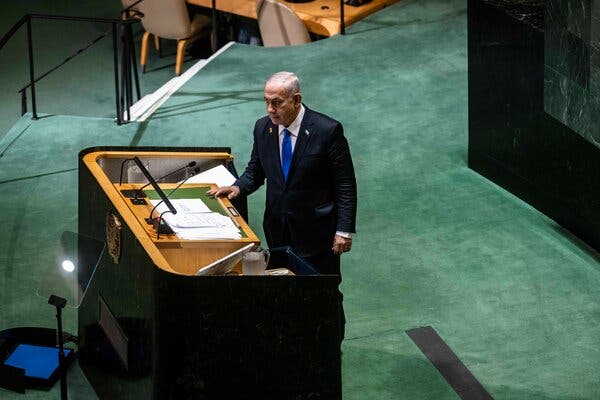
113,236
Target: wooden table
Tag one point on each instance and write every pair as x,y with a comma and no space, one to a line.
320,16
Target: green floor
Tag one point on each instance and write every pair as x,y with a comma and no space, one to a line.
514,295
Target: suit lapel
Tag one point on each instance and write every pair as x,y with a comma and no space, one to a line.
274,138
301,141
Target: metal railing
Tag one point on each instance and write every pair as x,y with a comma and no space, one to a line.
124,59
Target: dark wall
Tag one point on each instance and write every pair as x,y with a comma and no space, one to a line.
512,140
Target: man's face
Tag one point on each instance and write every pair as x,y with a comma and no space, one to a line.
281,108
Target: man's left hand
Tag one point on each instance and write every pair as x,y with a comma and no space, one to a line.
341,244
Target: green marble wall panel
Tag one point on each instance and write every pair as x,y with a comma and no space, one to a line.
572,65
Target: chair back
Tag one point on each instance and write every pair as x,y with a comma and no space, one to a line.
168,19
279,25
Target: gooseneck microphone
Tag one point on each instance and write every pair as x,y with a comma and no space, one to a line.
139,193
156,222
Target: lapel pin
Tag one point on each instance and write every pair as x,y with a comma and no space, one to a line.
270,129
307,132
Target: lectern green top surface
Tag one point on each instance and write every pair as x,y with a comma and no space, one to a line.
189,193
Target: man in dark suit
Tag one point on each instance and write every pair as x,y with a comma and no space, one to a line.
311,188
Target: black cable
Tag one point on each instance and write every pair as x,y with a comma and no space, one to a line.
158,223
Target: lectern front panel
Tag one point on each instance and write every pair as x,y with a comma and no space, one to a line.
150,329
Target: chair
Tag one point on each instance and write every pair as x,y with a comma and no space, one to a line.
279,25
169,19
134,12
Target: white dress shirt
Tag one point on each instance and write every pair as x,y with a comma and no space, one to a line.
294,129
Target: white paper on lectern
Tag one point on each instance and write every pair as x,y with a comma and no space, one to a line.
185,206
197,225
219,175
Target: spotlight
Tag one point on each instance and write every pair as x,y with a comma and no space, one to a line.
68,266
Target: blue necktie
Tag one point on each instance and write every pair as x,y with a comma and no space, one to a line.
286,153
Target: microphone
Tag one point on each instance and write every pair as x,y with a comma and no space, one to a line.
139,193
151,220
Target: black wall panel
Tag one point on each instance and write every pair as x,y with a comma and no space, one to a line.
512,140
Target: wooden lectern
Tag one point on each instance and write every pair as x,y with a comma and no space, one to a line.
150,329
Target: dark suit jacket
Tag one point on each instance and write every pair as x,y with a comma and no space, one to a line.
319,196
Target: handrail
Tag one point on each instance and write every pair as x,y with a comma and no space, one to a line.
6,37
9,34
123,101
82,19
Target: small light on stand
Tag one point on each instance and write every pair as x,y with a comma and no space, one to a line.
60,303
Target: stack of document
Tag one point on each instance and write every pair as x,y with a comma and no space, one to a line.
194,220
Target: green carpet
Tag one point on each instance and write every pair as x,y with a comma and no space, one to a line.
514,295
